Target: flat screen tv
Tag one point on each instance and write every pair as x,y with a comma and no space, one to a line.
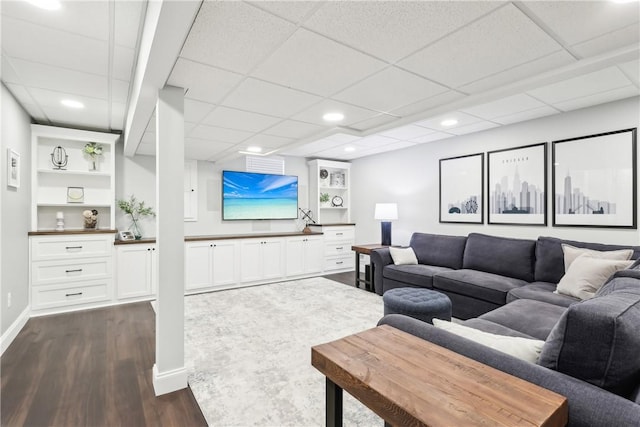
250,195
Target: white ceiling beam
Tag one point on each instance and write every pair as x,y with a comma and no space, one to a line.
166,26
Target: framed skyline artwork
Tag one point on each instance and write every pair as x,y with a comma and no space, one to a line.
517,188
461,186
594,180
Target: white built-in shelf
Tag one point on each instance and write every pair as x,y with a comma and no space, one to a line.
74,172
333,178
66,205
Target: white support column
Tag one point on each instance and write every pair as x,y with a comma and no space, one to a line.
169,373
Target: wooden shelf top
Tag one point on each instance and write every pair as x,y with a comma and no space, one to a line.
224,237
68,232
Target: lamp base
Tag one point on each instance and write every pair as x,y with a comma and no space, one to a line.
386,233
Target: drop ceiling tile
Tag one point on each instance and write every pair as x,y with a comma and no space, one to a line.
392,30
313,63
429,103
127,22
505,106
119,90
51,99
374,122
294,11
375,141
123,58
584,85
238,119
219,134
151,126
476,127
204,83
385,149
116,121
628,36
595,18
88,118
436,136
21,94
406,132
7,72
188,127
267,142
352,114
202,150
632,71
435,122
149,138
311,148
598,98
342,137
523,71
526,115
195,111
53,47
478,50
267,98
234,35
294,129
86,18
389,89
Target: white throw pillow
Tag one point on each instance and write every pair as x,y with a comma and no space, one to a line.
571,253
586,275
402,256
522,348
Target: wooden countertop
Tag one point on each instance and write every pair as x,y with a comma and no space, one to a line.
68,232
223,237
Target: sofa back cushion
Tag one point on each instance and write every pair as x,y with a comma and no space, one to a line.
550,256
597,340
438,249
500,255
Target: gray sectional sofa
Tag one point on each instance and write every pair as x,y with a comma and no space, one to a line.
591,353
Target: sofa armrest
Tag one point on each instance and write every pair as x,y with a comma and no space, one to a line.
379,258
588,405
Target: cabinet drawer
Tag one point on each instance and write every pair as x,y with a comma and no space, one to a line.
333,234
63,295
43,248
45,272
338,248
339,263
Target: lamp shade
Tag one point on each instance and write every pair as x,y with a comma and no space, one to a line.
386,211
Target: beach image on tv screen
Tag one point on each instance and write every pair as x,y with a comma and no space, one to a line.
249,195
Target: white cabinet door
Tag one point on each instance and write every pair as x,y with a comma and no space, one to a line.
224,262
251,255
135,270
198,265
295,256
313,255
272,258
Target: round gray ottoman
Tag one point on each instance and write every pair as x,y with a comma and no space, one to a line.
421,304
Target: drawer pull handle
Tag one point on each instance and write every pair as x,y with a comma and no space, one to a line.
73,247
339,249
339,262
339,234
77,270
74,295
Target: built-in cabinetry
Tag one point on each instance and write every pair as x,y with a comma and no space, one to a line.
262,259
330,181
338,239
305,255
211,264
72,184
135,271
70,271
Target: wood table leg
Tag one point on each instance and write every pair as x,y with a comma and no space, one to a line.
357,269
334,404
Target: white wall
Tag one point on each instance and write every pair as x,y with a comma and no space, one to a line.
15,211
136,175
410,177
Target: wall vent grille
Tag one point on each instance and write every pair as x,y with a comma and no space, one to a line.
265,165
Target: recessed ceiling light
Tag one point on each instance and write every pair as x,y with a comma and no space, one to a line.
333,117
46,4
349,149
254,149
449,122
71,103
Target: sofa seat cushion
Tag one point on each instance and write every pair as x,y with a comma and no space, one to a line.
597,340
494,328
416,275
500,255
477,284
533,318
541,291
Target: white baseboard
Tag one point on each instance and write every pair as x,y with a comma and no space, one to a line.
167,382
13,331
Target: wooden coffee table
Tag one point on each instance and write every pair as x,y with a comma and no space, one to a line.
411,382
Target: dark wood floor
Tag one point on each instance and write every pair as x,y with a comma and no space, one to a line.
89,368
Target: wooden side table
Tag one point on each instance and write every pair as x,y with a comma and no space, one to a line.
365,250
409,381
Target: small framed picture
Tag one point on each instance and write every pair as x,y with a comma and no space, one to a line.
126,235
75,194
13,168
337,179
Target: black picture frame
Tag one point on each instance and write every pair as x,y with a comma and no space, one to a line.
461,189
517,185
600,174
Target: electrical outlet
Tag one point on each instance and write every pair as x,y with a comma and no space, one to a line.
9,299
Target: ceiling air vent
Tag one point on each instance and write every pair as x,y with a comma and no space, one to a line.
265,165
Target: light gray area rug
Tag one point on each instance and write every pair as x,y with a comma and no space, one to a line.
248,351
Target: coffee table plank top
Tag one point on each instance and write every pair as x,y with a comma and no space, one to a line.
409,381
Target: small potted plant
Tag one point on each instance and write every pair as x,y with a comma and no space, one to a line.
137,210
324,199
94,151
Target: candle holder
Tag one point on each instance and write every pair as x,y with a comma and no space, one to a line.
59,221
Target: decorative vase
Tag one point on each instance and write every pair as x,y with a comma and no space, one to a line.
137,234
93,166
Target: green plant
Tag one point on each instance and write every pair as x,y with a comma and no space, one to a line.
137,210
324,197
93,149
